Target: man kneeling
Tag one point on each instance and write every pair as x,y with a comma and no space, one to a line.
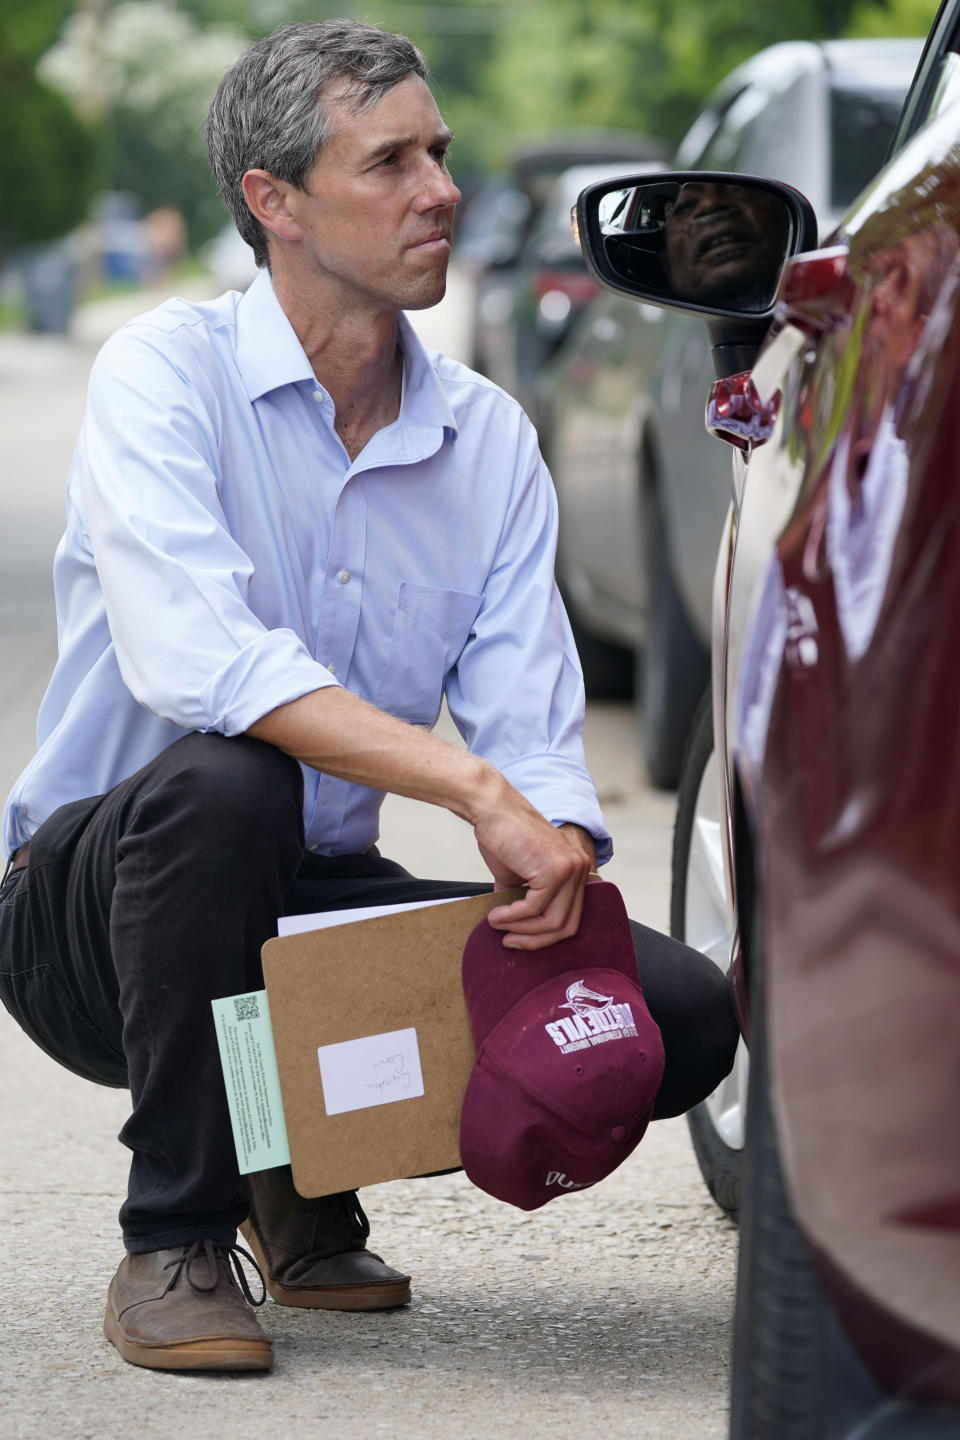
291,532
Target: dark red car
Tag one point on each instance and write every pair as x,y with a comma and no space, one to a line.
836,719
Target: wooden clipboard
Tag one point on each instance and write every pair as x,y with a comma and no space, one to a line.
371,977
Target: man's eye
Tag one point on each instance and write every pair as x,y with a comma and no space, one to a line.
392,159
440,153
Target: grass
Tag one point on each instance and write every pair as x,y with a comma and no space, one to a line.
13,316
13,310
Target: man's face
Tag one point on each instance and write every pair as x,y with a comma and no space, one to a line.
377,208
722,239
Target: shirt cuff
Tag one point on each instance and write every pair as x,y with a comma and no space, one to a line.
272,670
564,794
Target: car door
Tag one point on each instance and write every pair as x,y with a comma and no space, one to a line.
841,704
596,449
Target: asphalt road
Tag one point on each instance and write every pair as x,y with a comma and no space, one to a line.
608,1311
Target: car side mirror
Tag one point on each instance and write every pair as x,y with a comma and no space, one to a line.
708,243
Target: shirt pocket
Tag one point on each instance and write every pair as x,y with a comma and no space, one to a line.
430,628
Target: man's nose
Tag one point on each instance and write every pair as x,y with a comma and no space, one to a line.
705,198
438,191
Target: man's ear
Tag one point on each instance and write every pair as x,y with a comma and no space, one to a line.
267,198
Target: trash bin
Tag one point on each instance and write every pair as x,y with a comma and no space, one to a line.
50,278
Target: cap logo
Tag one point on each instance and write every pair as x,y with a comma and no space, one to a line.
596,1019
581,1000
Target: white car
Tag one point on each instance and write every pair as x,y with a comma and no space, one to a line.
643,490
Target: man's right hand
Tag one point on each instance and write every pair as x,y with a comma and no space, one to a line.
520,847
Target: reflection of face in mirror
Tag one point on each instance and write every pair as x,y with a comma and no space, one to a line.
725,244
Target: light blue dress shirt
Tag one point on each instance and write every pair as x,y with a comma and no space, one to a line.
223,556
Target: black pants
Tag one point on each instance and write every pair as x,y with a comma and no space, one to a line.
141,906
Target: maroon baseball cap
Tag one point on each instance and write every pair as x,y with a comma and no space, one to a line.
569,1059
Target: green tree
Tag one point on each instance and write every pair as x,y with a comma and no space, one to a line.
574,63
707,40
28,30
638,64
895,17
50,155
50,159
160,71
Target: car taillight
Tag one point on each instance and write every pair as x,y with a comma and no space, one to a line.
579,289
736,413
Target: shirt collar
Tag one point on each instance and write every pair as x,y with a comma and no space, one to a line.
270,355
425,402
268,351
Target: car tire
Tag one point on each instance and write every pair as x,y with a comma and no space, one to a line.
700,916
673,666
779,1313
607,668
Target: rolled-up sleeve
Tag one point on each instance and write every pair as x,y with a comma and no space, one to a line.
516,694
146,481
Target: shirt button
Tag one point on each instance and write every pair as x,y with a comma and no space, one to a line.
332,669
344,576
319,396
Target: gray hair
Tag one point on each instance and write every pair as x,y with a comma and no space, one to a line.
268,112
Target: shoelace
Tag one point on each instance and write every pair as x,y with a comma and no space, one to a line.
212,1252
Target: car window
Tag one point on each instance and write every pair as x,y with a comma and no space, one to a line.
700,139
939,92
862,123
947,91
937,86
726,150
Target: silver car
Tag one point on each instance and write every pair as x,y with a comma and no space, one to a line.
643,490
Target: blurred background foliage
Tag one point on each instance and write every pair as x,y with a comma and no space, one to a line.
51,154
146,73
112,93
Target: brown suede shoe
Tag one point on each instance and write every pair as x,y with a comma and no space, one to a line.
182,1309
313,1252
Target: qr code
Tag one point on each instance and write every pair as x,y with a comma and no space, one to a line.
246,1007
